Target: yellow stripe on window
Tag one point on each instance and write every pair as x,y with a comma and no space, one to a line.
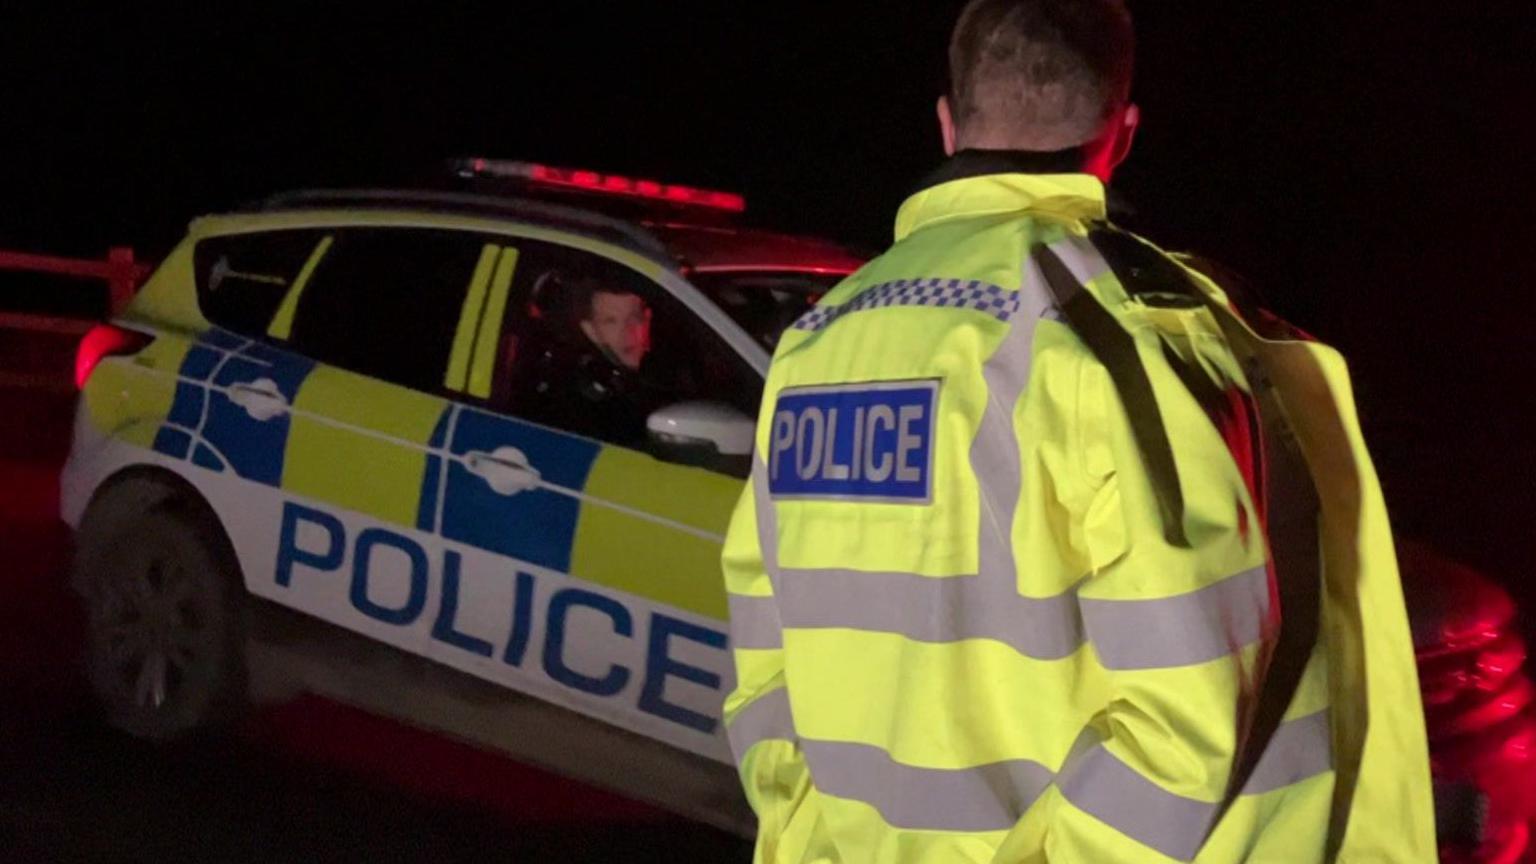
282,323
489,341
469,319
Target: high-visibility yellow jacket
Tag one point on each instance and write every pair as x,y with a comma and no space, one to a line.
961,631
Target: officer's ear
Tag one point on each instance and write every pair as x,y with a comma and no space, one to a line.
1105,153
1130,121
591,331
946,126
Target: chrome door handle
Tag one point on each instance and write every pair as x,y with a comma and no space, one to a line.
505,470
260,398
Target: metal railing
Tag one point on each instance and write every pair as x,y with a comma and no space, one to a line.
50,338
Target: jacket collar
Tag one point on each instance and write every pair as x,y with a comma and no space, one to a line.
999,182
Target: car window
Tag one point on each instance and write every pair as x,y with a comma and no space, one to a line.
386,303
765,303
243,278
593,347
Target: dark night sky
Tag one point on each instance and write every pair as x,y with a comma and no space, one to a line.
1367,166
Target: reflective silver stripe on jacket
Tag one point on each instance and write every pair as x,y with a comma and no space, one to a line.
755,621
994,796
1182,630
1105,787
765,718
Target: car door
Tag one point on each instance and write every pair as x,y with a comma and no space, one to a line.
379,319
587,568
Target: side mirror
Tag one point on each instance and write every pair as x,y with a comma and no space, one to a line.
709,435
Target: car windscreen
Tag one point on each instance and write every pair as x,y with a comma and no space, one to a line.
765,303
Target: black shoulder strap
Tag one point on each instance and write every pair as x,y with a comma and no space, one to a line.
1289,497
1117,351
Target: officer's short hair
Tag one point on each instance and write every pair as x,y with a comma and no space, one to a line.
583,291
1038,74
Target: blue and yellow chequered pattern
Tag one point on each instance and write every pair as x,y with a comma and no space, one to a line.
604,514
616,548
983,297
207,426
537,526
611,534
432,485
362,444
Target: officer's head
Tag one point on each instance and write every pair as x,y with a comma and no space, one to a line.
616,320
1042,75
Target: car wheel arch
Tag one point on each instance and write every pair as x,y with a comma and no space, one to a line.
140,488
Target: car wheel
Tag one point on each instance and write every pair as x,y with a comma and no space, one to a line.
165,638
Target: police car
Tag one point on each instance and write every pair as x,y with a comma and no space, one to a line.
388,446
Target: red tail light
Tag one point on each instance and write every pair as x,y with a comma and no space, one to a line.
103,341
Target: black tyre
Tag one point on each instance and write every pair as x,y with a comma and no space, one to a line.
164,602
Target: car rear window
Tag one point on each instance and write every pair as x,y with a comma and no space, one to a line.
385,302
242,278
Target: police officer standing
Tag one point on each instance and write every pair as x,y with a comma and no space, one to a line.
1053,550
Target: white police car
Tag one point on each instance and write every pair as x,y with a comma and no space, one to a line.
465,459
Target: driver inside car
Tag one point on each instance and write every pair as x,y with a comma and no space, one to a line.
597,376
616,321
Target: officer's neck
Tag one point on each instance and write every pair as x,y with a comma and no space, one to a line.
977,162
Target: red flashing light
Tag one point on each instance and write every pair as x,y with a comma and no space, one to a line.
1521,747
612,184
101,342
723,200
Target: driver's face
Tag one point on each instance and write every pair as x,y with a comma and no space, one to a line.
620,323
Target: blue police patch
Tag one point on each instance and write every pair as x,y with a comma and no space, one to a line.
869,442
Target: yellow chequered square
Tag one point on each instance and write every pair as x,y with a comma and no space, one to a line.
653,557
131,398
360,443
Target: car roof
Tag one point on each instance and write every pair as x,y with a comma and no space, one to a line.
540,213
690,246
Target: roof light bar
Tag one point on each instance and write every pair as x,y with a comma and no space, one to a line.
592,181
